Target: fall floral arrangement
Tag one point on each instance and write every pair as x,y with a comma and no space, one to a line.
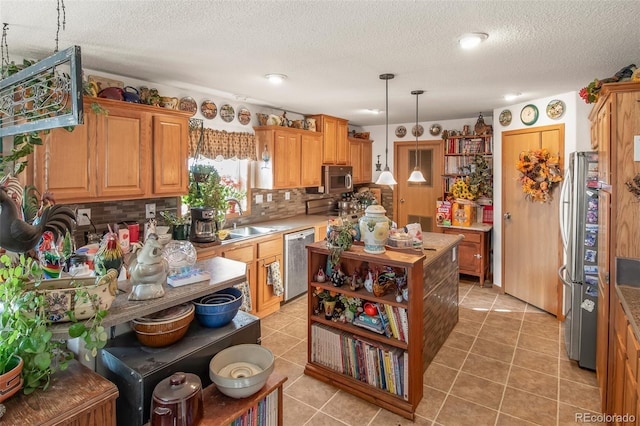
540,172
591,92
325,295
478,183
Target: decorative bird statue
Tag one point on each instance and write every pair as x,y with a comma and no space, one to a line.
20,236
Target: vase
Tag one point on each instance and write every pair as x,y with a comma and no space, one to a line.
180,232
11,381
329,306
374,229
349,315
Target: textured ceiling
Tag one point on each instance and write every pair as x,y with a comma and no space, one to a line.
334,51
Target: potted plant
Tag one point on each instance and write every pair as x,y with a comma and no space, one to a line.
24,324
339,238
201,172
180,224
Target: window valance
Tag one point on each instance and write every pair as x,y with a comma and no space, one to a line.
222,143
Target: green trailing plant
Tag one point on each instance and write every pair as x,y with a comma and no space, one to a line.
172,219
25,326
339,239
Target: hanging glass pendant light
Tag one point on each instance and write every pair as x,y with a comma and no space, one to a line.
386,178
416,174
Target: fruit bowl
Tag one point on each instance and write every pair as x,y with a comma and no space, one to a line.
241,370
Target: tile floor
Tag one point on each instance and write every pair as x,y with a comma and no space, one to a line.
503,364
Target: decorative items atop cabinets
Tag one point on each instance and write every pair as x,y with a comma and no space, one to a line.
294,159
360,154
335,144
131,151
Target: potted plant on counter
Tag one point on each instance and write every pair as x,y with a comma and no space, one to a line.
179,224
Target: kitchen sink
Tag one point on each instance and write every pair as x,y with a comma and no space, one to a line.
246,232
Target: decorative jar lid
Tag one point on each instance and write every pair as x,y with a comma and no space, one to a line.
375,209
179,387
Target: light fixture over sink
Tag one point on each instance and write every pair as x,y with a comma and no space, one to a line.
386,178
416,174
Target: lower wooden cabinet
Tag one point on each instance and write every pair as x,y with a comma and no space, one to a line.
473,250
269,266
247,255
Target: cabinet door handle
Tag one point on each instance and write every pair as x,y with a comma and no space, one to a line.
507,216
402,200
477,256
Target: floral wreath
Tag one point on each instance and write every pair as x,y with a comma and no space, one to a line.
540,172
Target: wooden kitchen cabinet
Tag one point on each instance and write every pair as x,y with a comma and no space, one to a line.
269,252
335,149
247,255
474,255
360,152
295,158
132,151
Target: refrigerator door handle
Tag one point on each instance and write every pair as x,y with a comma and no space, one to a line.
564,209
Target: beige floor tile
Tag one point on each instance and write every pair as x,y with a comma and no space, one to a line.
439,377
505,336
456,411
536,361
467,327
503,320
477,316
480,391
387,418
548,331
265,331
533,381
580,395
526,406
504,301
539,344
277,320
294,412
494,350
450,357
459,341
322,419
295,309
350,409
311,391
507,420
570,415
279,342
297,354
289,369
487,368
297,329
570,370
431,402
540,317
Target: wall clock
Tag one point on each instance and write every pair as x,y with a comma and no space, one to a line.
555,109
505,117
529,114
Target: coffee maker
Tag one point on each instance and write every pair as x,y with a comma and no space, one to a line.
203,225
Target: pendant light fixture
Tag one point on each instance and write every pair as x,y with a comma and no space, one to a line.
386,178
416,174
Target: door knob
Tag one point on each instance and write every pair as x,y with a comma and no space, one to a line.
507,216
402,200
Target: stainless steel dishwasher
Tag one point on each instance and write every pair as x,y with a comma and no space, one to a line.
295,262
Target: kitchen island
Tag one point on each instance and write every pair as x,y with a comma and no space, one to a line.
385,367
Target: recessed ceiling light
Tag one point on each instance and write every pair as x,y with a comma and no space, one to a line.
471,40
276,78
511,96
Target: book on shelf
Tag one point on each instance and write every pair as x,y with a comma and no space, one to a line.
404,323
384,319
369,323
392,321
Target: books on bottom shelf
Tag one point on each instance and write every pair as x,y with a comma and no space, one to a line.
374,363
263,413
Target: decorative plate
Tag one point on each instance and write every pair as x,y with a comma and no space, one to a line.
227,113
188,104
208,109
420,130
435,130
401,131
505,117
555,109
244,115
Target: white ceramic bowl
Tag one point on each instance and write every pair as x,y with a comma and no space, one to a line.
241,370
161,230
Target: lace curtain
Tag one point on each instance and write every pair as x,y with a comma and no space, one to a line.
222,143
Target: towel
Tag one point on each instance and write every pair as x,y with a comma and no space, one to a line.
274,278
246,306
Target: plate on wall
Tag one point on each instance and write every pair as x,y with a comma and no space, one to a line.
401,131
420,130
188,104
505,117
227,113
555,109
244,115
208,109
435,130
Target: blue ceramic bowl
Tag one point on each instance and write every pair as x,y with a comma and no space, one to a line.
218,309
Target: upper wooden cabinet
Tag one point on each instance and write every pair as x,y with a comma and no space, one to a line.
295,158
131,151
335,148
360,152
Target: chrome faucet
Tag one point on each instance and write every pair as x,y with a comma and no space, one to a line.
237,204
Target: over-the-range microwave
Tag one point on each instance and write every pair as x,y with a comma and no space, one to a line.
337,179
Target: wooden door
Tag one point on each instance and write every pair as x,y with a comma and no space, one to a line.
286,159
531,248
123,151
311,160
416,202
170,136
65,163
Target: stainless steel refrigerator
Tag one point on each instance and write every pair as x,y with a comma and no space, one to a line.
579,275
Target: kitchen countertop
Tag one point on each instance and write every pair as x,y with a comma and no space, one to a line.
630,298
483,227
224,273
